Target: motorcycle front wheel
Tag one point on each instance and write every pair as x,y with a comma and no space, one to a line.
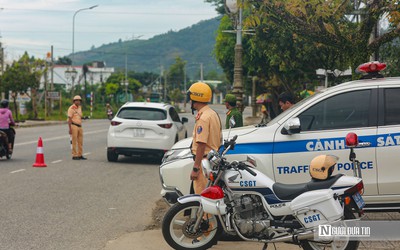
178,231
344,244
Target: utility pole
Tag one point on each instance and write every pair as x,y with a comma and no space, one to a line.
2,66
201,72
1,58
161,83
184,86
126,77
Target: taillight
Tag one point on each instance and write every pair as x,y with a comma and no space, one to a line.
351,140
114,123
359,187
168,125
213,193
371,67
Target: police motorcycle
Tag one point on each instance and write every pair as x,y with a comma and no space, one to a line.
242,201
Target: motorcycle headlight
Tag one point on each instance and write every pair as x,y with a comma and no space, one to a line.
206,165
176,154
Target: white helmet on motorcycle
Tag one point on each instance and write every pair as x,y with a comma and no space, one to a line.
322,166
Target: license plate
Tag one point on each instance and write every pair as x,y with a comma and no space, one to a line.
359,200
138,132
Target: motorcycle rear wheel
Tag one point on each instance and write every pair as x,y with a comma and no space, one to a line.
180,218
335,245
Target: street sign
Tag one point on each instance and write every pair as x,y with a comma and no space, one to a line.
23,98
53,95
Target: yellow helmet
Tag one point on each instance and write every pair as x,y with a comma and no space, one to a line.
77,97
200,92
321,167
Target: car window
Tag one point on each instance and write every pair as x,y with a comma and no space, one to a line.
139,113
174,115
392,106
347,110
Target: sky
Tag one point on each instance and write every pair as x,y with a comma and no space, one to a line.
36,25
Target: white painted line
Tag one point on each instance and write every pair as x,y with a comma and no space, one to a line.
88,153
16,171
57,161
59,137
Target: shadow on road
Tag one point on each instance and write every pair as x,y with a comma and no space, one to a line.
141,159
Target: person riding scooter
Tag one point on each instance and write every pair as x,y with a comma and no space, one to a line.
6,120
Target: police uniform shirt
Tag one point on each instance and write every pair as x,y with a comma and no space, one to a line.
207,130
75,113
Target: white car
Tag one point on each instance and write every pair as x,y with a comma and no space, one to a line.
144,128
369,107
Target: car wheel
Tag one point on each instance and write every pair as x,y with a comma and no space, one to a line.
112,156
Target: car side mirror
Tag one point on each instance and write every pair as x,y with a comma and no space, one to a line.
292,126
185,120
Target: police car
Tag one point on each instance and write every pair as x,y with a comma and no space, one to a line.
284,148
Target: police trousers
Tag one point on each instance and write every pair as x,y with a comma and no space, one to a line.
77,140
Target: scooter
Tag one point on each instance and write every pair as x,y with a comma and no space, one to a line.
242,201
4,151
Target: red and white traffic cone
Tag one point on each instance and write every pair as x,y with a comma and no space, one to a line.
39,155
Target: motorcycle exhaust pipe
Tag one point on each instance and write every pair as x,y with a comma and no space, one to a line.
294,238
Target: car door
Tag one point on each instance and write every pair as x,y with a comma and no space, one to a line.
325,122
178,123
388,140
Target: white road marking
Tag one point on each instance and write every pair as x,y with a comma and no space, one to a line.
57,161
59,137
16,171
88,153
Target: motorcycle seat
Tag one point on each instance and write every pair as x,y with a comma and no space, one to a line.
288,192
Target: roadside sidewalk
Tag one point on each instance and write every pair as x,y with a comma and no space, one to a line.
33,123
153,240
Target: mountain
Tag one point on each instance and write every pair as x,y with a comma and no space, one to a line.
193,44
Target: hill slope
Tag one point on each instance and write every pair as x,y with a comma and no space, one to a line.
194,44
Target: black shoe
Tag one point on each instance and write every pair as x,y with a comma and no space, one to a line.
83,158
76,158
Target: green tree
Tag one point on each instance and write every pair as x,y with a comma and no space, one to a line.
389,53
331,24
23,75
64,61
112,88
117,79
175,75
176,95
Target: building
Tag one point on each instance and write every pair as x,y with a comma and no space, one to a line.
63,75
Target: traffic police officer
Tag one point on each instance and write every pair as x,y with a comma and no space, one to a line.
230,104
207,132
75,128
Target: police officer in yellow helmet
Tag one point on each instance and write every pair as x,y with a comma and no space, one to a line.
75,118
207,132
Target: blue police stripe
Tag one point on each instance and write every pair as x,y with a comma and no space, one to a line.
296,146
